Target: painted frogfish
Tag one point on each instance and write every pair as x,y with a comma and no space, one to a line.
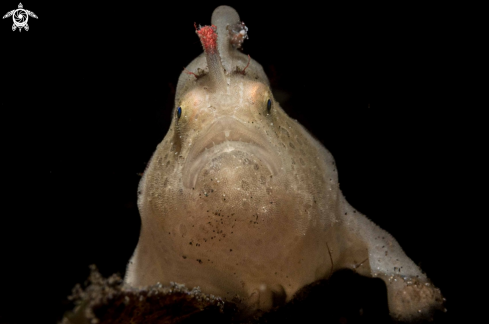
240,200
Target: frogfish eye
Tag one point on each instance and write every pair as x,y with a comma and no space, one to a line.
179,112
269,105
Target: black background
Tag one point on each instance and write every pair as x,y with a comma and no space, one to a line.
87,95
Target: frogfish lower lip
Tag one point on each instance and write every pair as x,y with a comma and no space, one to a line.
224,135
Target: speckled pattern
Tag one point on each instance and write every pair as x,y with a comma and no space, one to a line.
243,202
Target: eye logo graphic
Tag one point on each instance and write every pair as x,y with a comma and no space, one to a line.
20,17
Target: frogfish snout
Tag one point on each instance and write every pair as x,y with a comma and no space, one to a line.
226,146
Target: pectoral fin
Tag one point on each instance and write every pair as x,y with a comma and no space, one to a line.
410,293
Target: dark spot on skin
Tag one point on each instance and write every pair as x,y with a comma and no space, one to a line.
183,256
199,260
285,132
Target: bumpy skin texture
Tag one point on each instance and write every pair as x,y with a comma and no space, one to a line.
242,201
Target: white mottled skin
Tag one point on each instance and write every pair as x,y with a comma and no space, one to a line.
243,202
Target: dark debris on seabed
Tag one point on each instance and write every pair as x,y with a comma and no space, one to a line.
345,298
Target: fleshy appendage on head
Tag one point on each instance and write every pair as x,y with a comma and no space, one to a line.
208,37
220,42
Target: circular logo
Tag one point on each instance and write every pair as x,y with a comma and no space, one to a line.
20,17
